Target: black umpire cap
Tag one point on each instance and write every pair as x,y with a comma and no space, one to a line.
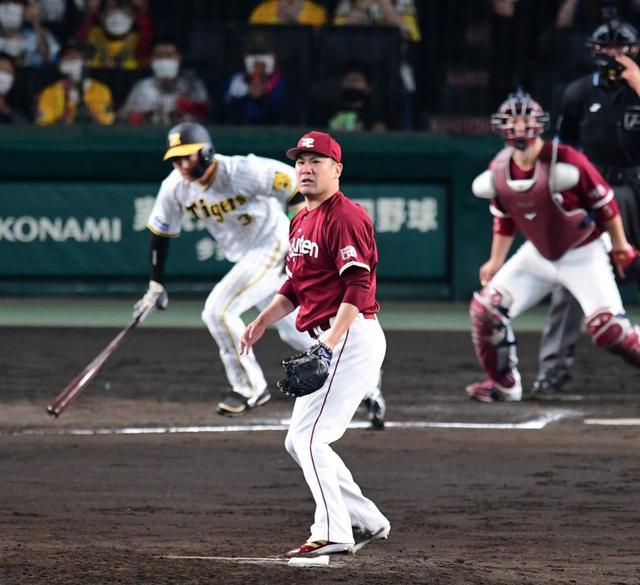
187,138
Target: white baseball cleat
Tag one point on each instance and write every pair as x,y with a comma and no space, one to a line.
365,537
317,548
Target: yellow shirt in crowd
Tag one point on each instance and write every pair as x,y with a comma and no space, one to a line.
267,13
113,53
405,8
60,101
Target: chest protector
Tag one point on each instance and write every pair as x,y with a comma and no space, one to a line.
537,209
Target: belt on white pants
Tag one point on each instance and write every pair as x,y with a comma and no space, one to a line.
317,330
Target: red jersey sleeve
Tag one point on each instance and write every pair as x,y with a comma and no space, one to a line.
287,290
352,242
594,191
357,283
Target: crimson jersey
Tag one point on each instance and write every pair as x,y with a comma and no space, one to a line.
323,243
591,193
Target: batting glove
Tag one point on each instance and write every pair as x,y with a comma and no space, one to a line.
155,298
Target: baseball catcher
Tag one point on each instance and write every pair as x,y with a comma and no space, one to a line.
307,371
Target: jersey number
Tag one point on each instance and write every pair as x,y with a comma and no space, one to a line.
245,219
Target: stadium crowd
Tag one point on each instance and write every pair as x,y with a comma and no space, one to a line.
340,64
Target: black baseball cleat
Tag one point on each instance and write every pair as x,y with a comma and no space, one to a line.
235,404
377,408
551,383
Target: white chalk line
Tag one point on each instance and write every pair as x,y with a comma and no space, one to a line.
240,560
614,422
537,423
312,562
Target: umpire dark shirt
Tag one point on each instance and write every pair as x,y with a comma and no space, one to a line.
602,118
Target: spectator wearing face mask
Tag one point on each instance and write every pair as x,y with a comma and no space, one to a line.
118,35
170,96
260,93
22,35
74,98
8,112
392,13
355,107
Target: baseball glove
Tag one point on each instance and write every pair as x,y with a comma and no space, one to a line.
627,262
306,372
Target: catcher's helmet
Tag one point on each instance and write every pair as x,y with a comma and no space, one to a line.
520,104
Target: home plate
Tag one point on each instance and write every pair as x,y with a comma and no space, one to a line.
319,561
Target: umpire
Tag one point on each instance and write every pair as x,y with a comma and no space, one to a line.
600,116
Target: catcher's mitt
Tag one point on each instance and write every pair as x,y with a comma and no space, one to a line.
306,372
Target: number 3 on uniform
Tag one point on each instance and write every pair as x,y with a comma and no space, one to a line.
245,219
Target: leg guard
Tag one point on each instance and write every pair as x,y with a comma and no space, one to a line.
616,334
493,339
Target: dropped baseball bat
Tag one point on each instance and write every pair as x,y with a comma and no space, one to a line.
80,382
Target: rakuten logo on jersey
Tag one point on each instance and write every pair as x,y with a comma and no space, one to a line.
301,247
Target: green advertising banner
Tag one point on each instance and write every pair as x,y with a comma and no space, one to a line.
98,230
411,224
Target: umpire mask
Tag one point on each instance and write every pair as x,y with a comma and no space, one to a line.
617,35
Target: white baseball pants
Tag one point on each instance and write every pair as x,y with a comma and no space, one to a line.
321,418
252,282
527,277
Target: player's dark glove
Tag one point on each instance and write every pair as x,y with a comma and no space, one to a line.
627,263
306,372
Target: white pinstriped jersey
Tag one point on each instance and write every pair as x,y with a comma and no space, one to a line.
244,201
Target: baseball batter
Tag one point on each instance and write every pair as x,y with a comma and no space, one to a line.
561,204
240,200
331,266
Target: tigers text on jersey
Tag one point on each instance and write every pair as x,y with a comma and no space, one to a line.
244,201
323,243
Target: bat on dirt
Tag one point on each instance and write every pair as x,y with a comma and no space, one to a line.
80,382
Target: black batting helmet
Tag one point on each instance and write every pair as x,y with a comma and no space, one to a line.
187,138
520,104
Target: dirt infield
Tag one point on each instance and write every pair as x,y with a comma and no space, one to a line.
482,505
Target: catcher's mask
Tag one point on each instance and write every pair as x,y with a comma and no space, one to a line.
520,105
613,34
187,138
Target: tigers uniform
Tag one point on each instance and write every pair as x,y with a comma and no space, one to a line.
242,207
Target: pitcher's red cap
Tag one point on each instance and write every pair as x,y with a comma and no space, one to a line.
318,142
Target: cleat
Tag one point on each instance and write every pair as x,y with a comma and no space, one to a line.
377,408
235,404
365,537
550,383
319,547
490,391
